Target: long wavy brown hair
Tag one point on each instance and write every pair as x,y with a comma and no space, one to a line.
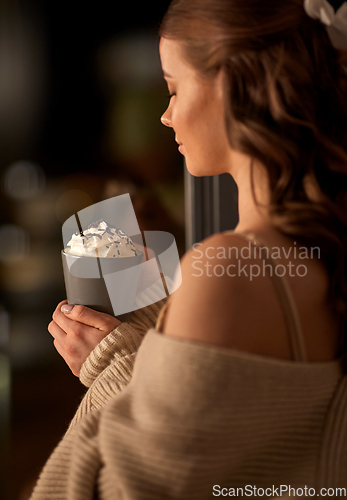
286,106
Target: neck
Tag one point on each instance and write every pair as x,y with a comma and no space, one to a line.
250,215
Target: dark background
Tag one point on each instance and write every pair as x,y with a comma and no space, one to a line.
81,94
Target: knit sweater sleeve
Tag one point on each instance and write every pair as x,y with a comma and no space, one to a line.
194,416
108,369
121,342
126,338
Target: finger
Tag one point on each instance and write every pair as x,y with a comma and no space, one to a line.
60,304
74,367
60,318
70,354
56,331
71,326
58,308
59,348
90,317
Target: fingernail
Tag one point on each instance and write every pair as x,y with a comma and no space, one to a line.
66,308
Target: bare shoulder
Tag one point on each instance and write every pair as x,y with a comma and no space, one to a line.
228,299
217,301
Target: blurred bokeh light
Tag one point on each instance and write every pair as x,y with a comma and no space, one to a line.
80,107
27,275
71,202
129,61
14,243
24,180
22,76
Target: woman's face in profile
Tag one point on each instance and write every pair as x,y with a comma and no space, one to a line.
195,113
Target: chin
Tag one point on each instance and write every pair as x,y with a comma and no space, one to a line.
199,170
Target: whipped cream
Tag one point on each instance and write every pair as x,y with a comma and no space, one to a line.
102,240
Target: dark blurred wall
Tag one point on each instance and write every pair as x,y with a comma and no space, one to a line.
81,94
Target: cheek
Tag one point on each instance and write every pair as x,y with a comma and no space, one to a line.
182,118
188,109
199,125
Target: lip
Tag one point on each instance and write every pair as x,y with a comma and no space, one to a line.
180,146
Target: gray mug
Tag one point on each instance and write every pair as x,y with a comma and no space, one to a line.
104,284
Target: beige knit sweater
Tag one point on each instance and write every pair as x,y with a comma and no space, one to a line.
188,419
109,367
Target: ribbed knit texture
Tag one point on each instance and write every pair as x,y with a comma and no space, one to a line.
108,368
194,416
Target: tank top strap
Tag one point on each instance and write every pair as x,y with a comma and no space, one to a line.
286,299
159,324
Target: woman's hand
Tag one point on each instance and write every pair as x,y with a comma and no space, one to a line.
77,330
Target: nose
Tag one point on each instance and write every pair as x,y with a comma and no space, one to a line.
166,119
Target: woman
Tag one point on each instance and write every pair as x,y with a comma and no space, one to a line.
241,383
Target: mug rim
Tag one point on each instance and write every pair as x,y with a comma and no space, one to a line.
107,258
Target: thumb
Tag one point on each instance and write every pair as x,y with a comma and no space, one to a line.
86,315
67,308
